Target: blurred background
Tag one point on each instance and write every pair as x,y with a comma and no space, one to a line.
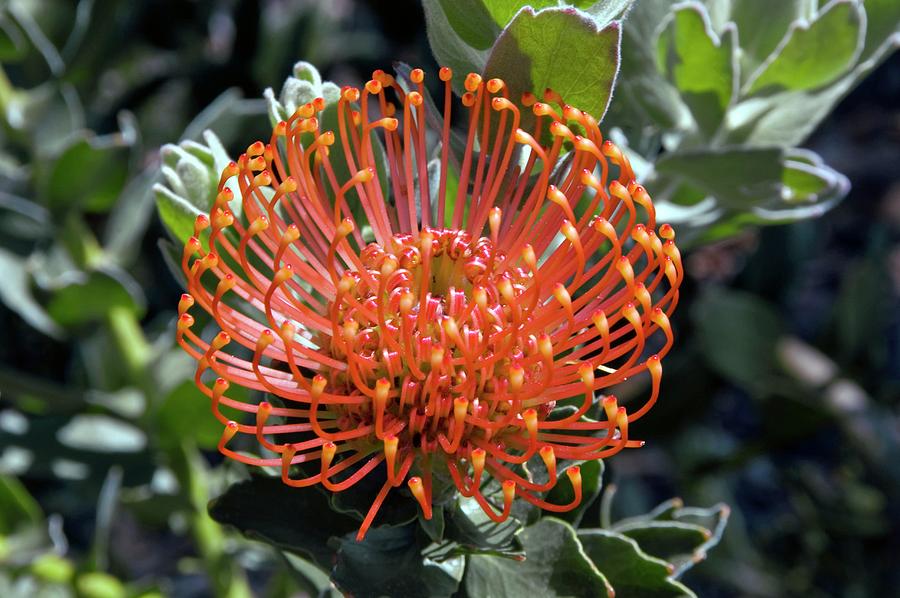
782,398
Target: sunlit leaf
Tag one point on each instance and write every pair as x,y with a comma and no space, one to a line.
582,65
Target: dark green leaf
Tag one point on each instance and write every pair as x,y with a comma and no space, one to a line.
17,508
560,49
675,542
563,493
554,565
737,332
12,42
469,531
882,26
630,571
89,175
388,562
397,509
91,297
185,412
295,519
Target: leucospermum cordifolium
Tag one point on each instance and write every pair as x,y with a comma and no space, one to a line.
458,314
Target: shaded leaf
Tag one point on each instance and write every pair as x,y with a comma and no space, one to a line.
739,177
176,213
185,412
563,492
468,530
388,563
630,571
295,519
554,565
737,333
448,47
676,543
90,298
89,175
17,508
15,292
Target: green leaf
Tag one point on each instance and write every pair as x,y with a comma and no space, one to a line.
468,530
737,334
561,49
679,544
563,492
17,508
554,565
606,11
388,562
448,47
89,175
15,293
89,298
176,213
299,520
814,54
398,508
602,11
12,42
631,571
739,177
762,26
185,412
700,64
474,22
882,26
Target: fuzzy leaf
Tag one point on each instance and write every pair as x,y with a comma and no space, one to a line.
630,571
700,64
814,54
555,565
448,47
469,531
295,519
388,562
562,49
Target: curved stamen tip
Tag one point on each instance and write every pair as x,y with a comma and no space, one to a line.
473,82
446,73
495,85
418,491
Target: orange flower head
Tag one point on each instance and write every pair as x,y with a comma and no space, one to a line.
409,307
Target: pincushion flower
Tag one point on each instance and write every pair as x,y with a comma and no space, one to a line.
458,311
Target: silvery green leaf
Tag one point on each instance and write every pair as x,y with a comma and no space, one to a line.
701,64
813,54
448,47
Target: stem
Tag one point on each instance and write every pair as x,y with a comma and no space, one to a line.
131,344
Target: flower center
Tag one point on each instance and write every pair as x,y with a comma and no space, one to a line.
442,313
